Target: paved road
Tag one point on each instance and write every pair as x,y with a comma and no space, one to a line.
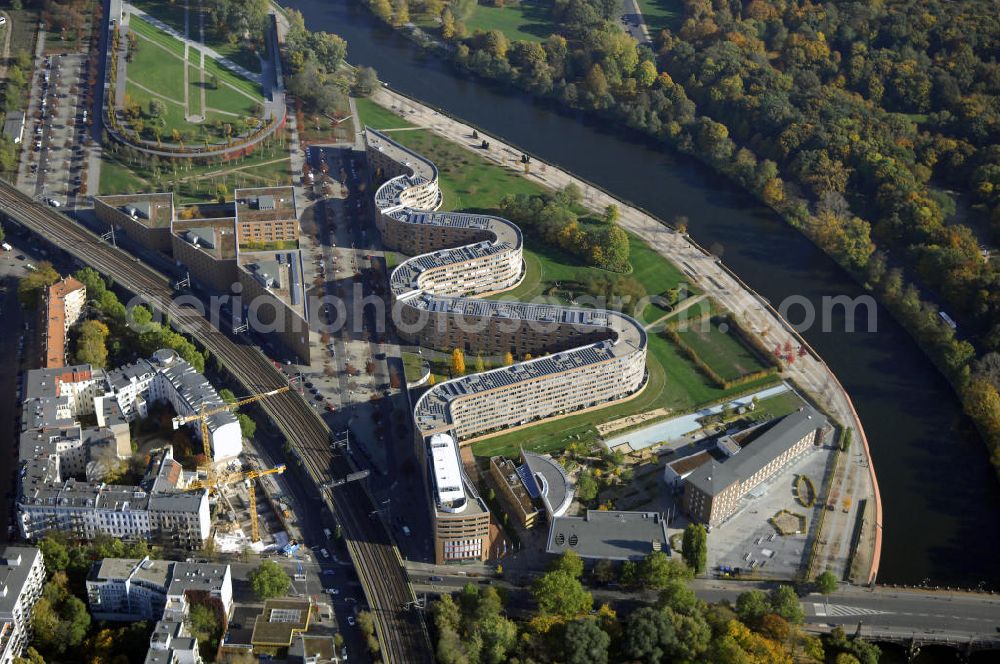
883,610
808,371
634,22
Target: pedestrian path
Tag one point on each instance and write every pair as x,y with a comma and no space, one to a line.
205,50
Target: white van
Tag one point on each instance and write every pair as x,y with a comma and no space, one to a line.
6,247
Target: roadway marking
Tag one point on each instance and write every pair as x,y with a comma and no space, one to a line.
843,611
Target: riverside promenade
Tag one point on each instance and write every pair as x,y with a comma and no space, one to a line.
854,475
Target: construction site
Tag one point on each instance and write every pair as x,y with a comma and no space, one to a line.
249,505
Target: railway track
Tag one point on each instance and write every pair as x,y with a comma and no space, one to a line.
399,626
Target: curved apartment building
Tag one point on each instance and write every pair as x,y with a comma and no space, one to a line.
583,358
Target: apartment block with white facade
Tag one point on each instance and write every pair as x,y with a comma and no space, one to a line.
583,358
22,575
127,589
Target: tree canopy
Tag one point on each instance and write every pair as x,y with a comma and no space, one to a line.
269,580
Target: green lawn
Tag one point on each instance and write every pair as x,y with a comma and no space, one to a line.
531,20
171,12
174,117
118,178
158,69
777,406
147,32
248,88
659,14
238,53
722,351
271,174
378,117
467,182
196,183
158,64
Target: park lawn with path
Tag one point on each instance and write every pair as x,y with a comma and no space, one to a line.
660,14
171,13
150,33
722,351
157,70
674,383
196,183
530,20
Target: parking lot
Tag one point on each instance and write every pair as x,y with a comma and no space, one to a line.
748,541
52,167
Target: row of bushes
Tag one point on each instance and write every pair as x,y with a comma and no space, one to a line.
805,492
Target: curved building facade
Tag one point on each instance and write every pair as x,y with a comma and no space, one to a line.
583,358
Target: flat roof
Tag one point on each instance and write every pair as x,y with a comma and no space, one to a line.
712,478
488,235
265,204
15,566
215,236
610,535
280,620
152,210
555,487
447,467
688,464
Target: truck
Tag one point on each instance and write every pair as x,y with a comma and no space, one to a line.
290,548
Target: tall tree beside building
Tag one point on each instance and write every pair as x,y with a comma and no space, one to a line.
695,549
269,580
457,362
30,289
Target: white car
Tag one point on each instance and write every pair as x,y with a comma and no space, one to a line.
333,591
350,621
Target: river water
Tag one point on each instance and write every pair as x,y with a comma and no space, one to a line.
939,494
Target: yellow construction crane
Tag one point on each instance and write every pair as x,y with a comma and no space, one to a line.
248,476
206,413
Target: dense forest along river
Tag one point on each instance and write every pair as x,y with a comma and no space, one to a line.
940,496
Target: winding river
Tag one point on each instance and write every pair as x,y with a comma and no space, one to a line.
941,498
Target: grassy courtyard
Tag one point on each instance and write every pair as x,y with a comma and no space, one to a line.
531,20
471,183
